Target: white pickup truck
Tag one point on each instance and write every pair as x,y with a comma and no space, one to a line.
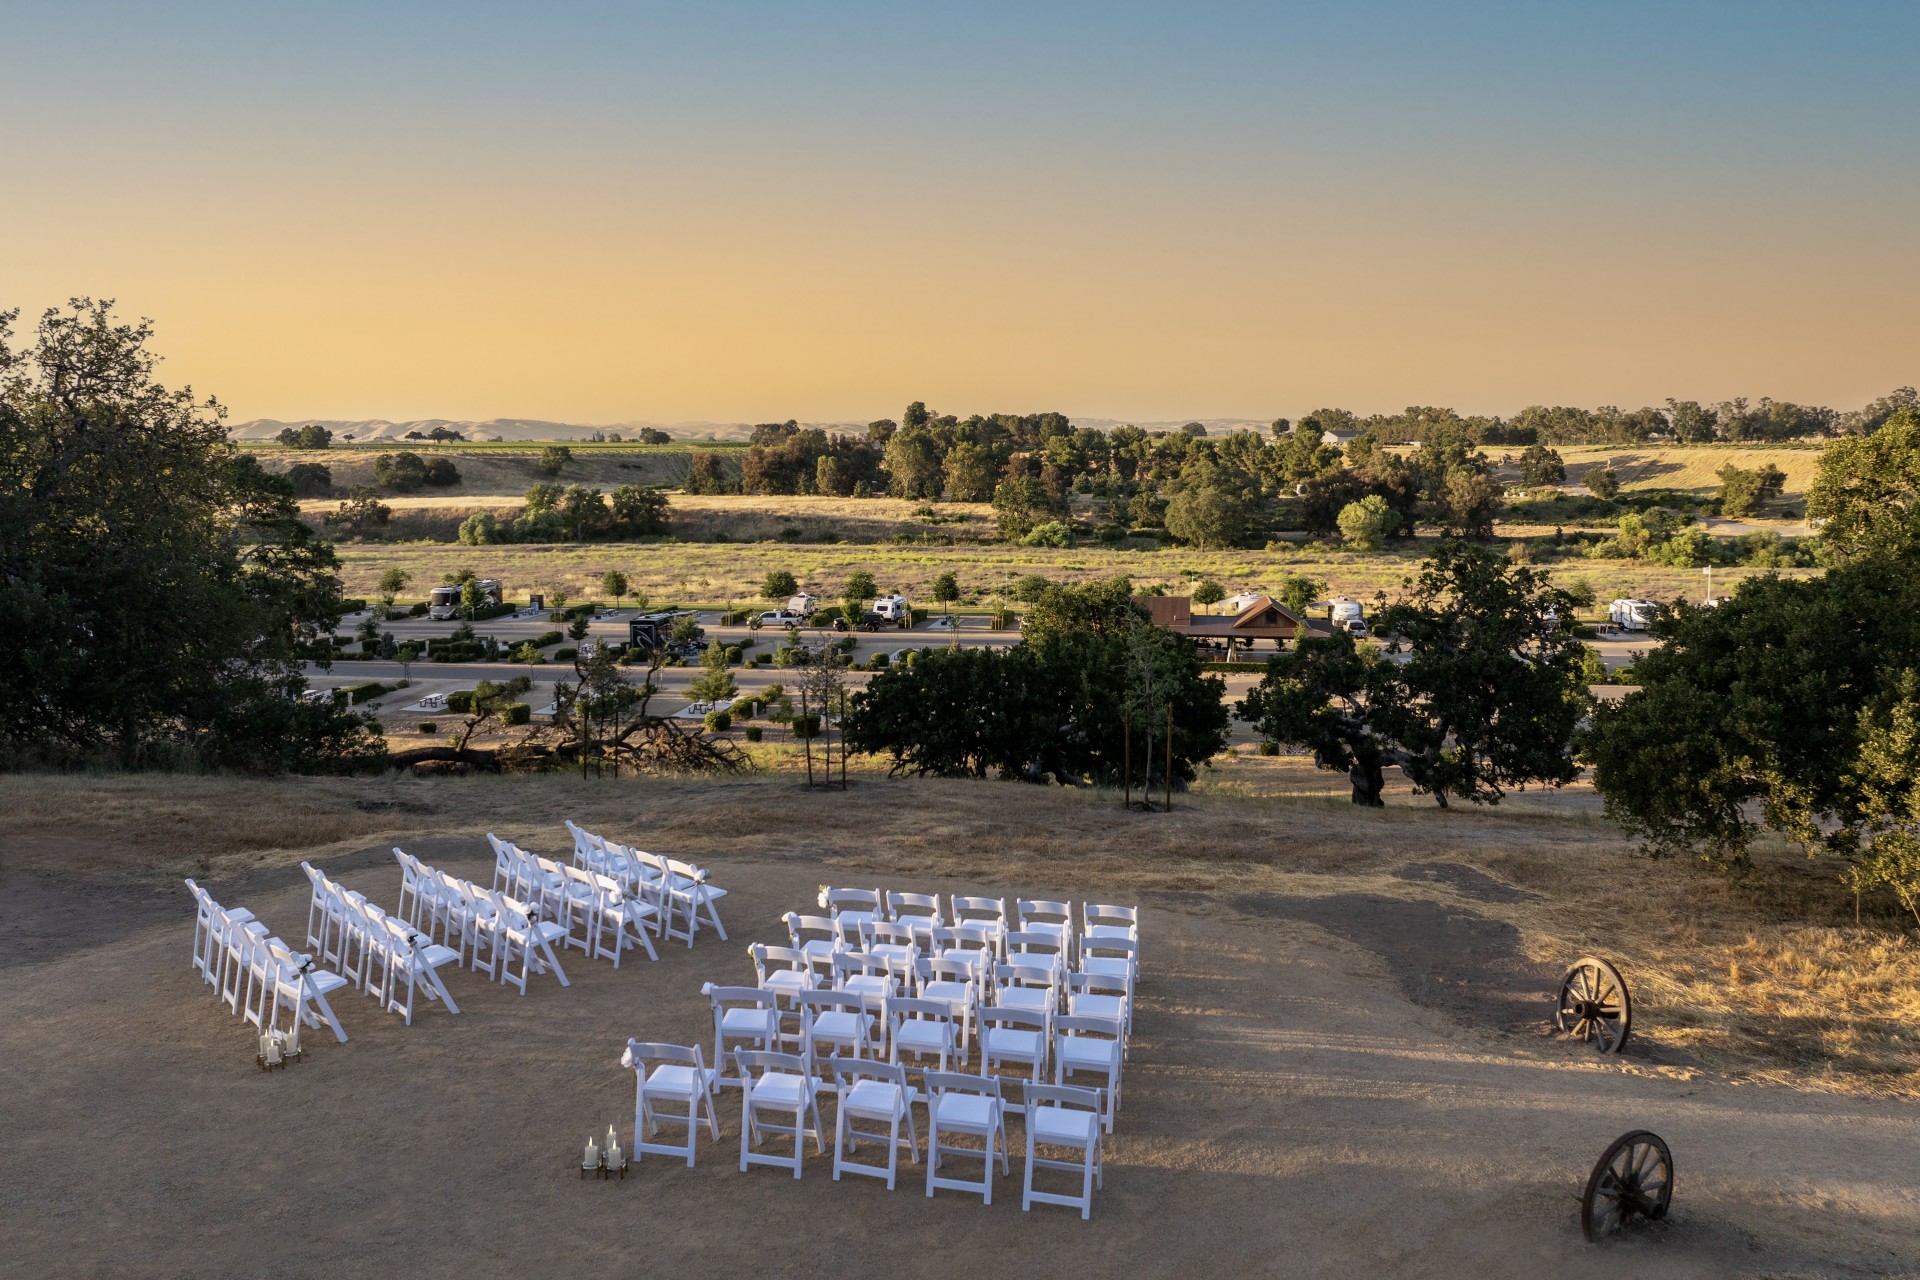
782,618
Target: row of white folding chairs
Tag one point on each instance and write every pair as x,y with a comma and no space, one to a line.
781,1095
816,942
850,907
487,930
382,955
868,1013
247,966
572,907
689,900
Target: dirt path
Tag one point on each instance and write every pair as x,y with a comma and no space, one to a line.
1289,1111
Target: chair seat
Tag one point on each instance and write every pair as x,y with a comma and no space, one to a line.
679,1082
1111,931
874,1099
964,1111
1013,1042
325,982
952,992
780,1089
867,984
817,947
1108,966
749,1022
1027,998
548,931
838,1024
433,955
1086,1052
1101,1006
1063,1125
788,981
923,1035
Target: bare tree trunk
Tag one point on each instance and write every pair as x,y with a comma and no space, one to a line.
807,739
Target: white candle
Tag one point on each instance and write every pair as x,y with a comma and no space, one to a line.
613,1156
293,1038
612,1143
592,1157
270,1049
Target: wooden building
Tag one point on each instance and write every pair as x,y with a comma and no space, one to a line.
1226,636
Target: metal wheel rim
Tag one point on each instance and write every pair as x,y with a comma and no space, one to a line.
1633,1180
1594,1004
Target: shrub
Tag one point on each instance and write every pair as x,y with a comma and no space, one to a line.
879,661
546,638
718,722
754,733
806,726
460,701
517,713
1269,748
565,654
528,654
1051,534
429,726
1365,524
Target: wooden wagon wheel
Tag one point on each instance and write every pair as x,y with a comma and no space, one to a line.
1634,1180
1594,1004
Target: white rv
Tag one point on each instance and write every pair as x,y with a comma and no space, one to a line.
1346,615
892,608
443,602
802,604
1632,615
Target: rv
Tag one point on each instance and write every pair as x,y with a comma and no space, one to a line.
1346,615
1632,615
650,631
892,608
443,602
802,604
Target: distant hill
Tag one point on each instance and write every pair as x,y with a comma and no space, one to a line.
533,429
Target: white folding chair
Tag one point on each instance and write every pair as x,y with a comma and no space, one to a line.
742,1014
953,981
875,1092
1106,920
836,1021
923,1028
304,989
1026,986
1096,995
678,1075
1038,915
1083,1045
872,979
519,933
1032,947
1017,1036
626,918
777,1085
988,914
909,908
414,963
687,887
969,1106
815,936
1113,958
1063,1116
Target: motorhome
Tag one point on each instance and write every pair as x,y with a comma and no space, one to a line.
892,608
1632,615
1346,615
443,602
650,631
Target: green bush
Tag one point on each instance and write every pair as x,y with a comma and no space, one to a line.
1269,748
754,733
517,713
365,692
718,722
428,726
880,661
460,702
566,654
806,726
418,609
546,638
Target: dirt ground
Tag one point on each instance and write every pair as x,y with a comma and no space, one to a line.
1339,1064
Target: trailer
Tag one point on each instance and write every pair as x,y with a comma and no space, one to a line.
1632,615
1346,615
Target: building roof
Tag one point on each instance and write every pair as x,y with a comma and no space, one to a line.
1264,618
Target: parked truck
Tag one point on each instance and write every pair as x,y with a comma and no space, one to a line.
443,602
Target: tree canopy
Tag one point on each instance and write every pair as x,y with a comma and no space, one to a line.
1478,689
1781,709
150,622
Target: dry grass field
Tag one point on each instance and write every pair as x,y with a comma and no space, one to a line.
1341,1064
1690,468
712,573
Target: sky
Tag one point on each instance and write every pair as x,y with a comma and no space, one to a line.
742,212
